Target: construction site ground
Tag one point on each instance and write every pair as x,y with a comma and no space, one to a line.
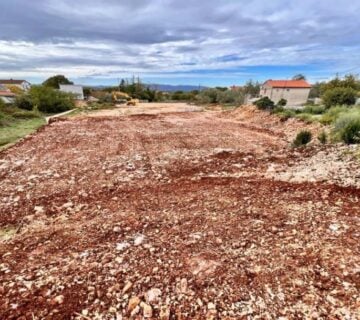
178,215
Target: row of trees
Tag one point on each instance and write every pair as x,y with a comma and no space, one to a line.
339,91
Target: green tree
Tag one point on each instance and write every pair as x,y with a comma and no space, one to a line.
315,90
349,81
299,76
339,96
252,88
55,81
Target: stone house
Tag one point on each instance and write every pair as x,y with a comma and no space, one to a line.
295,92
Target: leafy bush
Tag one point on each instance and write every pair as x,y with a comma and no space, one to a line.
306,117
302,138
332,114
351,133
339,96
278,110
286,114
26,115
313,109
322,137
231,97
265,103
210,96
347,127
48,100
24,102
282,102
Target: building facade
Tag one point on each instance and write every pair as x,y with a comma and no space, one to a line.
21,84
295,92
76,90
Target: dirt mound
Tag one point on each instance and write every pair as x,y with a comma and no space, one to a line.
261,120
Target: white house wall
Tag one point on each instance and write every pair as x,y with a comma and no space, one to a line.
294,96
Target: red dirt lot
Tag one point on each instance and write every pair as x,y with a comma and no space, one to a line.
171,216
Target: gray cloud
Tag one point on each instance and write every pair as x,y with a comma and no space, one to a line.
40,37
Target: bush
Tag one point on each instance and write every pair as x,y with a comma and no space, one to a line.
24,102
322,137
351,133
307,118
210,96
302,138
313,109
339,96
347,127
282,102
286,115
332,114
26,115
231,97
49,100
277,110
265,103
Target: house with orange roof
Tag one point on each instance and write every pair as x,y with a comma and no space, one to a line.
295,92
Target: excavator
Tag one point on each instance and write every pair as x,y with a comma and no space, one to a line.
122,97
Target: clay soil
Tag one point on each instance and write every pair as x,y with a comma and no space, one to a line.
172,216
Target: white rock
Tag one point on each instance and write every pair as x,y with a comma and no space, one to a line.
139,239
153,295
121,246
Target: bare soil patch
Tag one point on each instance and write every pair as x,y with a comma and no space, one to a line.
172,216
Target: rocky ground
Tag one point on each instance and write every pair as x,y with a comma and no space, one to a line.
200,215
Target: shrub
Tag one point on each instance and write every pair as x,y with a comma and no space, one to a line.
322,137
286,115
351,133
313,109
26,115
277,110
332,114
230,97
24,102
347,128
49,100
282,102
307,118
302,138
339,96
265,103
210,96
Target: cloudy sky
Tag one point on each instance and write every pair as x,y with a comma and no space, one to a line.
208,42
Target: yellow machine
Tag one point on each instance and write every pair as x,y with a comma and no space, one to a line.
122,97
132,102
